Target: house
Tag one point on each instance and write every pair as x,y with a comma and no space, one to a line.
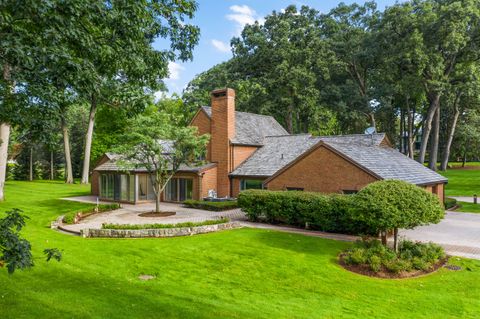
254,151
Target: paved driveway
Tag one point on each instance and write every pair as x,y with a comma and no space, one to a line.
458,233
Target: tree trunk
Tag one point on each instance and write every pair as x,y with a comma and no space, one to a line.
464,161
402,129
157,202
383,235
451,134
395,239
373,123
30,175
289,119
432,163
88,140
4,138
68,159
51,166
427,125
410,137
4,134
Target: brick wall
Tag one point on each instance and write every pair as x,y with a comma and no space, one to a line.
208,181
202,121
241,153
322,171
222,130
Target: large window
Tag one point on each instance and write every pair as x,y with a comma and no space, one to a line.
251,184
145,188
179,190
118,187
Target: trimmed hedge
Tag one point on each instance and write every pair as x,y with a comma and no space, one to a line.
158,226
212,206
450,203
70,217
326,212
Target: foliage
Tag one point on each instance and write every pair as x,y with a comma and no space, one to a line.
160,226
69,218
450,203
390,204
239,271
156,143
411,256
314,210
15,250
209,205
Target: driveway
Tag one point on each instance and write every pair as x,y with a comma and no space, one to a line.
458,233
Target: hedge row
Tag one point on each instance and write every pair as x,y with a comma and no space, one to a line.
160,226
212,206
71,217
326,212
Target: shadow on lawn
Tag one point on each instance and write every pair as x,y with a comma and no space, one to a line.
301,243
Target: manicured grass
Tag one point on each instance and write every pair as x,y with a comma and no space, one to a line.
468,207
245,273
462,182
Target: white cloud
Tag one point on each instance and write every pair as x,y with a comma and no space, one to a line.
220,45
242,15
174,70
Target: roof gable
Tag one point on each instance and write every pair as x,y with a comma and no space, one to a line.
250,128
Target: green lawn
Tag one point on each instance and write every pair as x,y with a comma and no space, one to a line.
462,182
246,273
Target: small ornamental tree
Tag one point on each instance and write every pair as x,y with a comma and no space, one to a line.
15,251
156,143
391,204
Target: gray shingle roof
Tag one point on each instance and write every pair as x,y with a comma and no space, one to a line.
251,129
388,163
112,166
365,150
276,152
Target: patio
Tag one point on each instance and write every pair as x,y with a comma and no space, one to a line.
129,214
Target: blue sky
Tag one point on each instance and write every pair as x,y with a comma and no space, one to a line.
219,21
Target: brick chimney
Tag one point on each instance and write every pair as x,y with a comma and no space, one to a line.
222,131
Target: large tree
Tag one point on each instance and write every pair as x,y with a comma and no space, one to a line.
156,143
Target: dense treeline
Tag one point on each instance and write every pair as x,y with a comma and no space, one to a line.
72,76
410,71
63,62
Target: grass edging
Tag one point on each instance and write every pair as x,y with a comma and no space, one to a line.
76,216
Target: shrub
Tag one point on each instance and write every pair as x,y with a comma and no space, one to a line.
410,257
319,211
212,206
158,226
69,218
450,203
390,204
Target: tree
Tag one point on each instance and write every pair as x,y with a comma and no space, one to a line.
157,144
388,205
285,55
125,55
443,38
15,251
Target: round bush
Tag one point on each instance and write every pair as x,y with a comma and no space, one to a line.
390,204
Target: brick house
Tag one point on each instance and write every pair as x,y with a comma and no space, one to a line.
254,151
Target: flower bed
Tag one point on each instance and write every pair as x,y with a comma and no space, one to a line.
76,216
372,258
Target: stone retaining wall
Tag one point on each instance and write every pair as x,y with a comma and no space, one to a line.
160,232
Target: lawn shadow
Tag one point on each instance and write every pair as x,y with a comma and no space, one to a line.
300,243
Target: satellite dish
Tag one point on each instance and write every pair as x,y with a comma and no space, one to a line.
371,130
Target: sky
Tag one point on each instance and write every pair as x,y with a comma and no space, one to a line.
219,21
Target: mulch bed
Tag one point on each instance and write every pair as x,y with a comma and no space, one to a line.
154,214
366,271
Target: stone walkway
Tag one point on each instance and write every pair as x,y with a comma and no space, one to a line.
129,214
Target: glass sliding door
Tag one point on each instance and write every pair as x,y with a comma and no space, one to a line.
179,190
117,187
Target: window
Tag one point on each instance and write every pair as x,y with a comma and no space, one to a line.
251,184
179,190
295,189
119,187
